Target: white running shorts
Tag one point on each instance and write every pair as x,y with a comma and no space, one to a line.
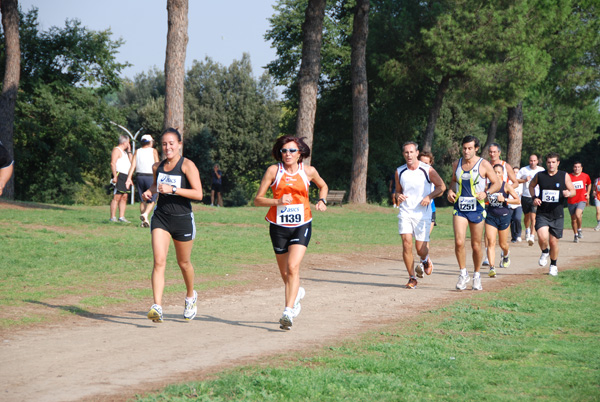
419,228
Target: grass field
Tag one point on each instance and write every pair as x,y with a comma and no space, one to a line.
54,252
537,341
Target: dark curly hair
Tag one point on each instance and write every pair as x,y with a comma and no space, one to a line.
303,149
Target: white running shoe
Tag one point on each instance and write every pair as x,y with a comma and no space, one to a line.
155,314
519,240
530,240
553,270
419,270
286,321
576,239
543,259
462,282
477,283
579,233
297,306
190,308
597,228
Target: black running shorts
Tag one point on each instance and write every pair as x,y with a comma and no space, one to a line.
282,237
180,227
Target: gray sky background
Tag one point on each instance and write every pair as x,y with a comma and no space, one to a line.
220,29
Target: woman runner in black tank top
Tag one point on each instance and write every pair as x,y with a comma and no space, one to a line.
497,221
177,181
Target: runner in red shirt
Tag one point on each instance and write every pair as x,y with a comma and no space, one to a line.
583,184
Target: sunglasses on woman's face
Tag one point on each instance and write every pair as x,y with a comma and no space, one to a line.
286,150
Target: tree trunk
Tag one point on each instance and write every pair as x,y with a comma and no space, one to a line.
515,134
360,104
10,84
308,76
177,39
434,113
491,134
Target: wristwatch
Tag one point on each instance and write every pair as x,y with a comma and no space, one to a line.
174,190
322,199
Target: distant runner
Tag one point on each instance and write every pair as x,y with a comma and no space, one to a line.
582,184
555,185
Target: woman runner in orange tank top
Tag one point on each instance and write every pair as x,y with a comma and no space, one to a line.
289,215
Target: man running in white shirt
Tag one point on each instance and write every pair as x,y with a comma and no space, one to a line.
414,194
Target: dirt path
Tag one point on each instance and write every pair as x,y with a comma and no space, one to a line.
114,356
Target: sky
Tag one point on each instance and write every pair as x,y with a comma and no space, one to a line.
220,29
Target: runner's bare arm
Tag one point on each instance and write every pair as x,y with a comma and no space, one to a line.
269,177
570,191
495,182
313,175
451,193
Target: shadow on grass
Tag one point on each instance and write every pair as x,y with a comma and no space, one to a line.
94,316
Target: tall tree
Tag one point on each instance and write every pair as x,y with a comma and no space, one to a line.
308,76
515,134
177,40
360,104
10,83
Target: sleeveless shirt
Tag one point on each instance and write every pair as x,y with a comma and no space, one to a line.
144,159
416,185
298,212
551,194
469,184
496,207
172,204
123,163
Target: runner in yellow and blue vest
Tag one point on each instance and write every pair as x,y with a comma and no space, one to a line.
467,192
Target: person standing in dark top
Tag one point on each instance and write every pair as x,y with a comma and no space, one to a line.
216,186
555,187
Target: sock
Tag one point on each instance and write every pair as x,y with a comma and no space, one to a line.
552,262
289,309
189,299
476,275
527,231
546,251
464,272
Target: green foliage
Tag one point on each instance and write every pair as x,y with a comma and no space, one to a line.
496,52
238,118
62,148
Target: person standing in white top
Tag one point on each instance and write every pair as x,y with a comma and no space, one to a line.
529,209
120,162
414,194
143,160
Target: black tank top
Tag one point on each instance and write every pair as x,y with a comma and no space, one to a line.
551,188
172,204
496,207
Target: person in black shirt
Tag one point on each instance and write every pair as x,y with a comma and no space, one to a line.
177,181
555,187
